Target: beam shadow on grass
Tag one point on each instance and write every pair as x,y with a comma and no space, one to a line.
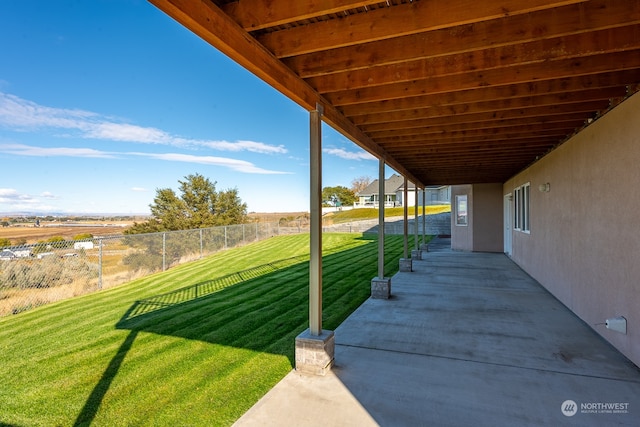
260,309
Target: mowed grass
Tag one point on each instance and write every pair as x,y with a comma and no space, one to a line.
198,360
359,214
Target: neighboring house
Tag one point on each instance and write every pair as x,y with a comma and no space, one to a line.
83,245
9,254
22,252
394,194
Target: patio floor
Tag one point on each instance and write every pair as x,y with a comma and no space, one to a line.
465,339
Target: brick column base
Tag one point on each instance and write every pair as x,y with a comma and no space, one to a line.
406,264
424,247
416,254
381,288
315,353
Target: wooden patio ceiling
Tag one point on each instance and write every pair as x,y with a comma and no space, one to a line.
446,91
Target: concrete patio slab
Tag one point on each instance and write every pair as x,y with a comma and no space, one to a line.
465,339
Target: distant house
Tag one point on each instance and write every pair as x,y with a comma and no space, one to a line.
83,245
394,194
9,254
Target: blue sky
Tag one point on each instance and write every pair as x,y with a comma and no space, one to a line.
103,102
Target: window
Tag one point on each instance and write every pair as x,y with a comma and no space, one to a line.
521,208
517,195
461,210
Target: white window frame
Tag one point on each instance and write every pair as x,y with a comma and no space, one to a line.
522,208
462,200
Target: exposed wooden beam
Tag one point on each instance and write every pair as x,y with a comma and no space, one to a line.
210,23
568,89
481,148
572,19
453,130
480,112
434,143
395,143
258,14
404,19
540,51
550,70
433,125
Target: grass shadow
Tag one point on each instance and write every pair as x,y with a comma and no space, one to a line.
260,309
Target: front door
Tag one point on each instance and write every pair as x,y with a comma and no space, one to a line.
507,224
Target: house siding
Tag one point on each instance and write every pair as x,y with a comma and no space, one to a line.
584,242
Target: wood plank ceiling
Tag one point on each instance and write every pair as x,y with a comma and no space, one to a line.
446,91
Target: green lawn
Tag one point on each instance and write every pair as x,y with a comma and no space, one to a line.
196,345
359,214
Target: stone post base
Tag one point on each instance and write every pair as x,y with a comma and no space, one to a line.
406,264
416,254
381,288
315,353
424,247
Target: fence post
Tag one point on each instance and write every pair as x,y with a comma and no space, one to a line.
244,241
225,237
164,251
201,243
100,264
257,232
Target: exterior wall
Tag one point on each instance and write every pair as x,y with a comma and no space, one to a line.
584,242
436,196
487,214
461,236
484,230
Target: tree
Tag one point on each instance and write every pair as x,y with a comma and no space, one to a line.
360,183
199,205
343,195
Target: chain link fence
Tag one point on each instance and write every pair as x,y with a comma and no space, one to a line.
33,275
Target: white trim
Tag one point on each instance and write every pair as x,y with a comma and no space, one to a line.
522,208
462,210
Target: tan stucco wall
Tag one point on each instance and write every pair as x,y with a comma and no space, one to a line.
584,245
461,236
484,232
487,214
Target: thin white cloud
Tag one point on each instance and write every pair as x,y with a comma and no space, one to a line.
234,164
256,147
349,155
48,195
129,133
22,115
12,196
28,150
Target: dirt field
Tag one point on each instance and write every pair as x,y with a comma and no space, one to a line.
34,234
